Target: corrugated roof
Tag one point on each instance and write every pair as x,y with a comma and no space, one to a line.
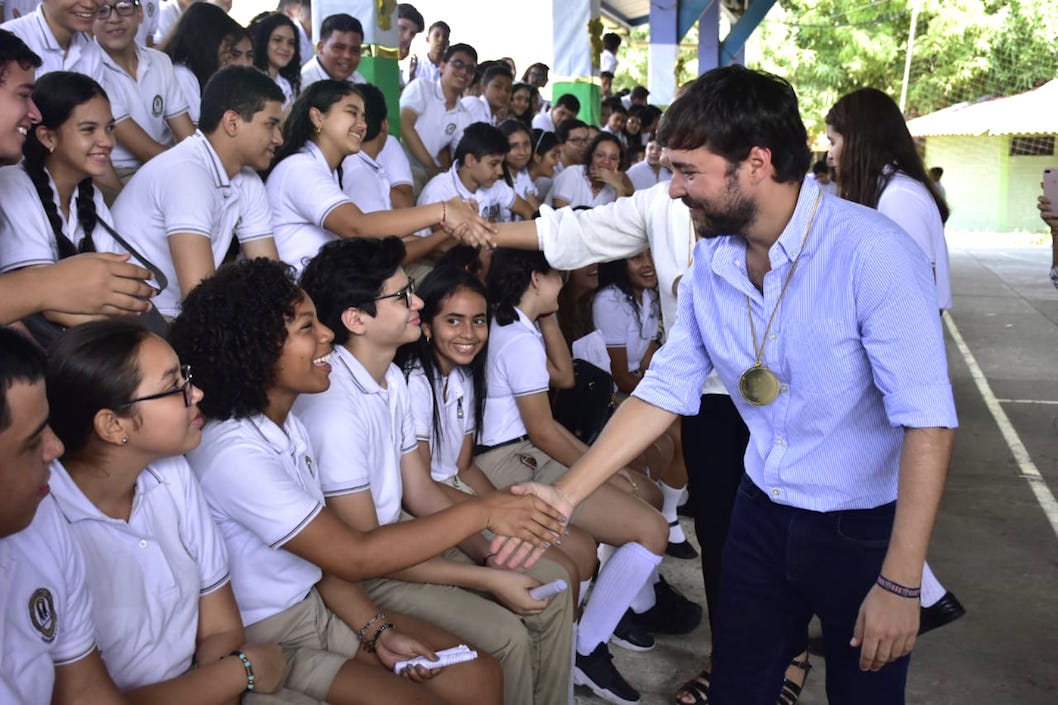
1031,113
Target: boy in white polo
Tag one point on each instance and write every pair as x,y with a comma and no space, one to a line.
495,99
47,638
150,111
432,115
60,37
184,207
364,435
341,39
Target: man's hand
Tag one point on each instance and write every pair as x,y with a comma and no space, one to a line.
886,628
512,552
98,283
527,518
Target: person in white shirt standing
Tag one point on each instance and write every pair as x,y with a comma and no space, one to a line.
611,42
340,47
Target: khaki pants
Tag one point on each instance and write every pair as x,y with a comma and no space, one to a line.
519,462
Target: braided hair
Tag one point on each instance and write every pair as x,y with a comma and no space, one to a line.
57,94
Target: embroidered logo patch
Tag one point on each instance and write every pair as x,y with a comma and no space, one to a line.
308,465
156,106
150,9
42,613
450,128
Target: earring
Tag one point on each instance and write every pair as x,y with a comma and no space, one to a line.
124,441
426,334
51,149
319,129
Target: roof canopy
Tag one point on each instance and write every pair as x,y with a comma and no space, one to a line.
1030,113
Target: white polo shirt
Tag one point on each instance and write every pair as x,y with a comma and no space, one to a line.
288,90
262,487
146,575
523,188
479,109
47,610
190,89
456,412
516,367
437,126
149,26
186,190
361,431
83,55
149,98
492,201
26,235
168,15
428,69
303,191
614,316
312,71
574,187
364,182
643,177
543,121
395,163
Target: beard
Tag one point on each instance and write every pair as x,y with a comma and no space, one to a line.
731,217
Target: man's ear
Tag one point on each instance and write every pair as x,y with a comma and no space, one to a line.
230,122
759,163
354,320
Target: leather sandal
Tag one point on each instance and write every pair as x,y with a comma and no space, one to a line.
791,691
697,688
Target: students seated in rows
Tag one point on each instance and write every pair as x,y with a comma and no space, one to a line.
431,113
60,34
204,41
367,454
478,174
650,171
521,441
126,412
150,110
309,208
275,40
596,182
186,231
520,155
254,341
339,49
495,99
566,107
88,283
48,650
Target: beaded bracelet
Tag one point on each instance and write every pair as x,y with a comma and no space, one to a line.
363,629
444,212
251,679
898,589
369,646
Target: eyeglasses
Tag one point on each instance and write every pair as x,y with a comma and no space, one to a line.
406,293
185,389
125,8
460,65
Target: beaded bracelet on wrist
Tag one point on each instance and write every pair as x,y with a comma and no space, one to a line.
898,589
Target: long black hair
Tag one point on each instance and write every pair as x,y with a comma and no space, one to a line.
510,275
261,34
615,274
298,129
438,286
57,94
196,39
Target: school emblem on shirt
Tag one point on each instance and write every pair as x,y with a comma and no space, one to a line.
156,106
450,128
308,465
42,613
150,9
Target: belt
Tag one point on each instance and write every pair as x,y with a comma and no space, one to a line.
479,449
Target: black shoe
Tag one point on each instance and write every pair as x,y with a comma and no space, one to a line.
946,610
631,635
684,550
685,510
672,613
598,673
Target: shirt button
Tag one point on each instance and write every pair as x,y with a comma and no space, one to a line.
780,442
772,336
776,492
143,543
785,388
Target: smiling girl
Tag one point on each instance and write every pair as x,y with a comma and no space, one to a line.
275,39
596,183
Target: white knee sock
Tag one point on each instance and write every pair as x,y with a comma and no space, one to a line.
645,598
932,590
684,496
603,553
671,500
620,580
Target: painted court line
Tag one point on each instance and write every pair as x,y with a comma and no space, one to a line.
1027,401
1029,471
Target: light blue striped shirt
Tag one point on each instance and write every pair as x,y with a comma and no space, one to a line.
856,345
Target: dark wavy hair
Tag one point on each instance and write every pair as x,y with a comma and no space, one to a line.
92,367
594,144
21,361
350,273
731,110
12,48
196,39
439,286
527,117
876,146
298,129
261,35
509,276
615,274
57,94
231,330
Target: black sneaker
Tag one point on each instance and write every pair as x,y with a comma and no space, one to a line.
672,613
597,672
944,611
631,635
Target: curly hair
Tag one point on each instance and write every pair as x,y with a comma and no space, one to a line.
509,276
231,330
261,30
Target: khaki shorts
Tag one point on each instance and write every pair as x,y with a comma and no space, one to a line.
455,483
316,642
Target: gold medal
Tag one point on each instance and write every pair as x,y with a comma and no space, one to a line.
758,385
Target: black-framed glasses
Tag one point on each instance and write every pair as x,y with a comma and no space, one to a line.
124,8
406,293
460,65
185,389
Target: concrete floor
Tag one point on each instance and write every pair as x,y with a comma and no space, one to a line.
993,546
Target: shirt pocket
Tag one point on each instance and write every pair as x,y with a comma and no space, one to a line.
824,357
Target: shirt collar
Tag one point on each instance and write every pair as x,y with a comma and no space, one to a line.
462,190
75,506
280,440
143,60
220,174
366,159
524,320
363,380
78,40
788,247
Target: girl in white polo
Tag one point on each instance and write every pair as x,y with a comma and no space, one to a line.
275,40
309,208
520,138
156,565
595,183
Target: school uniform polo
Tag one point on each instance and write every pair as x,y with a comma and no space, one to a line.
146,575
149,98
516,367
365,183
642,175
543,121
437,125
262,486
455,404
168,15
492,200
47,610
83,55
147,28
187,190
313,71
191,90
395,163
303,190
288,90
427,69
616,318
574,187
26,235
479,109
361,431
523,188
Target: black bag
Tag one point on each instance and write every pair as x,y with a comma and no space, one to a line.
586,408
